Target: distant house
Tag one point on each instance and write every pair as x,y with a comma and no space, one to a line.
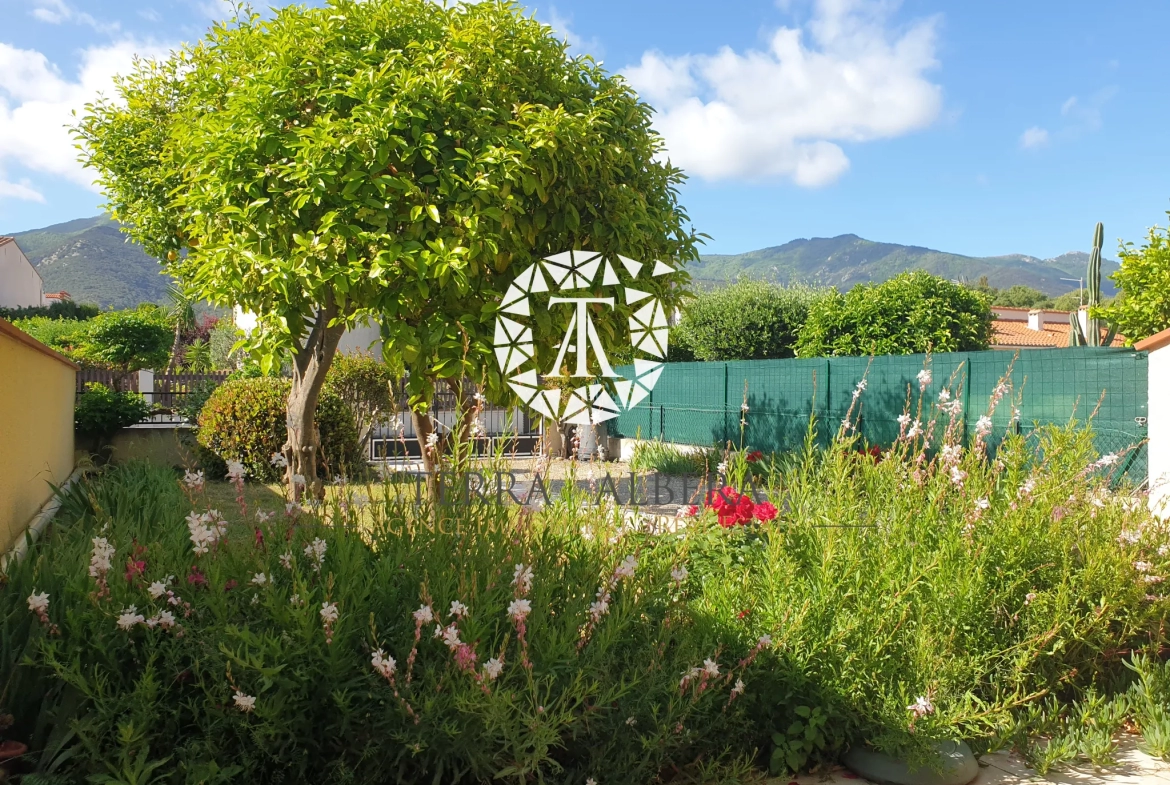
1035,328
20,283
58,297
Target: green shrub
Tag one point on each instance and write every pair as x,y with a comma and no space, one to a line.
910,313
749,320
664,458
61,309
244,420
100,412
125,341
60,334
1142,307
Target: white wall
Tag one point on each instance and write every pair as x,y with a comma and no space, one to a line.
1158,426
20,284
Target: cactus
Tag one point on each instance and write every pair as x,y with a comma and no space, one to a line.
1092,335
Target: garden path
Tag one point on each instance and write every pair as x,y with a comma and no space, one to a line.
1134,767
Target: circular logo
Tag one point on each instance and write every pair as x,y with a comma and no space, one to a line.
563,276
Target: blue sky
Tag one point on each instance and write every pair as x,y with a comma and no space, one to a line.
979,128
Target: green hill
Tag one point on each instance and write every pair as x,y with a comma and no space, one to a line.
93,261
848,260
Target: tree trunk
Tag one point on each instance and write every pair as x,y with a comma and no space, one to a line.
422,432
175,349
310,364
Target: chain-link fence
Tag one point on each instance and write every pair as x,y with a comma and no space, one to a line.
701,403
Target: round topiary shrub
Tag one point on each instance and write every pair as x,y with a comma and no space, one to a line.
244,420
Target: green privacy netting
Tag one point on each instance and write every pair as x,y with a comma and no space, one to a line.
700,403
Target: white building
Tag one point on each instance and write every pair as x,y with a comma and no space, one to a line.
20,283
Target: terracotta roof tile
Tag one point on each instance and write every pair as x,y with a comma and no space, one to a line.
1011,335
4,240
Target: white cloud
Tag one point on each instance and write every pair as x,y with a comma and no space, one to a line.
21,190
1033,137
582,46
37,104
56,12
848,75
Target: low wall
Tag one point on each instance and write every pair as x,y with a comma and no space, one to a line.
167,445
36,428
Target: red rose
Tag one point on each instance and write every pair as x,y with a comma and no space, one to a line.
765,511
744,509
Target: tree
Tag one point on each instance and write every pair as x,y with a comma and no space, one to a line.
1020,296
124,341
366,385
1143,306
394,159
181,311
912,312
749,320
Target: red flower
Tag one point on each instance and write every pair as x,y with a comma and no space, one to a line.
196,578
744,509
230,585
765,511
754,456
134,569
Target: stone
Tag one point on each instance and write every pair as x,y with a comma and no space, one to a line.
957,766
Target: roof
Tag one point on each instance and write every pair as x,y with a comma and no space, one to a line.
1155,341
4,240
1012,335
20,336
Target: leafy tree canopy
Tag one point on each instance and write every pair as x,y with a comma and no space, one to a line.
1020,296
125,341
749,320
1143,306
392,158
912,312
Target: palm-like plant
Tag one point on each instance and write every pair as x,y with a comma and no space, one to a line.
181,314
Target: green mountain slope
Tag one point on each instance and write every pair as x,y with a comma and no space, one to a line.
848,260
93,261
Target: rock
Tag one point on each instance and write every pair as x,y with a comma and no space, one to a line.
957,766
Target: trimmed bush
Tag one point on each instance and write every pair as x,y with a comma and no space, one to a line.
101,412
910,313
244,420
749,320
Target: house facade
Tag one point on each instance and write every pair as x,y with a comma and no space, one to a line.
20,283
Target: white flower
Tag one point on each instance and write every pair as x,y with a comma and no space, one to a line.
235,471
493,668
983,426
424,614
519,609
944,395
631,721
1027,488
924,379
193,480
294,600
103,552
710,667
316,551
475,429
1106,460
1142,566
903,419
202,535
626,568
590,781
600,607
298,480
765,641
951,453
438,631
329,612
164,619
458,609
915,430
679,574
244,703
259,579
129,618
722,467
738,688
857,391
522,578
921,707
383,663
263,516
451,637
1153,578
480,398
157,589
957,476
286,560
279,461
744,407
982,504
432,440
38,603
1015,414
1029,597
291,509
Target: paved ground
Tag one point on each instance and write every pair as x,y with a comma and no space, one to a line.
1002,768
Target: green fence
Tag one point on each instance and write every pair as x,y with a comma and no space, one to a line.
700,403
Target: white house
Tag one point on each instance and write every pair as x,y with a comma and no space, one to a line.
20,283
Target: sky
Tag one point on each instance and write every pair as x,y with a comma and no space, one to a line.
979,128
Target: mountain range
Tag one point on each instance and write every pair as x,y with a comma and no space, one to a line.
93,261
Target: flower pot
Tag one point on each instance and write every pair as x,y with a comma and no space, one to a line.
10,752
